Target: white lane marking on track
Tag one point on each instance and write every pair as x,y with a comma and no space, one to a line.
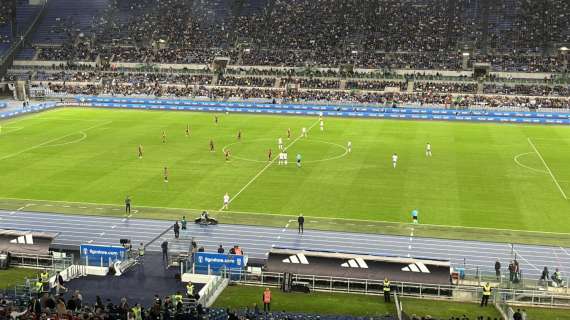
516,158
547,168
266,167
317,236
50,141
523,258
564,250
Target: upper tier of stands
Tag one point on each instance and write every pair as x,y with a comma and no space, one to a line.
25,14
512,35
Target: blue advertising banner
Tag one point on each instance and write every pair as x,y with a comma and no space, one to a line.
329,110
97,255
3,105
33,108
215,261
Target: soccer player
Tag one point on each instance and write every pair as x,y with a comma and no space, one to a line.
280,158
140,151
188,130
349,146
280,143
163,136
226,201
304,132
322,124
394,160
165,174
212,146
239,135
227,153
428,150
285,156
289,133
216,119
298,160
269,154
415,214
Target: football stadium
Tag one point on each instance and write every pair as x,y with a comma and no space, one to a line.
284,159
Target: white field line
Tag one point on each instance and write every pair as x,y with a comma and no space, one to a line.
516,158
267,166
83,137
330,219
548,169
52,140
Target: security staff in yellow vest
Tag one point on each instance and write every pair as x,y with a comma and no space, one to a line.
178,300
486,294
38,288
137,312
190,289
44,276
386,288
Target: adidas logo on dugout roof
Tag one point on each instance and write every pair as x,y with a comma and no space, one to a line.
416,267
26,239
355,263
298,258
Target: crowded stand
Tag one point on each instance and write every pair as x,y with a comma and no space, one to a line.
247,81
445,87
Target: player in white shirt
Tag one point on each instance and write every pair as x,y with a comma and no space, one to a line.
280,161
428,150
349,146
285,157
304,132
322,124
394,160
280,143
226,201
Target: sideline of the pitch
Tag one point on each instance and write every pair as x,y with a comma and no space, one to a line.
369,222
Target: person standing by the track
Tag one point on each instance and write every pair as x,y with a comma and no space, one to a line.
128,205
301,221
164,247
176,228
498,269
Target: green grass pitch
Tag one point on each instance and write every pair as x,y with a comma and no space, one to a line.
480,175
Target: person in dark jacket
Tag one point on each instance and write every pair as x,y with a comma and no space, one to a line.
498,269
176,230
301,221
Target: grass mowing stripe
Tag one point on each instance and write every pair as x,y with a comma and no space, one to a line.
548,169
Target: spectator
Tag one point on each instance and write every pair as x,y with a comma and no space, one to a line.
266,298
498,269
